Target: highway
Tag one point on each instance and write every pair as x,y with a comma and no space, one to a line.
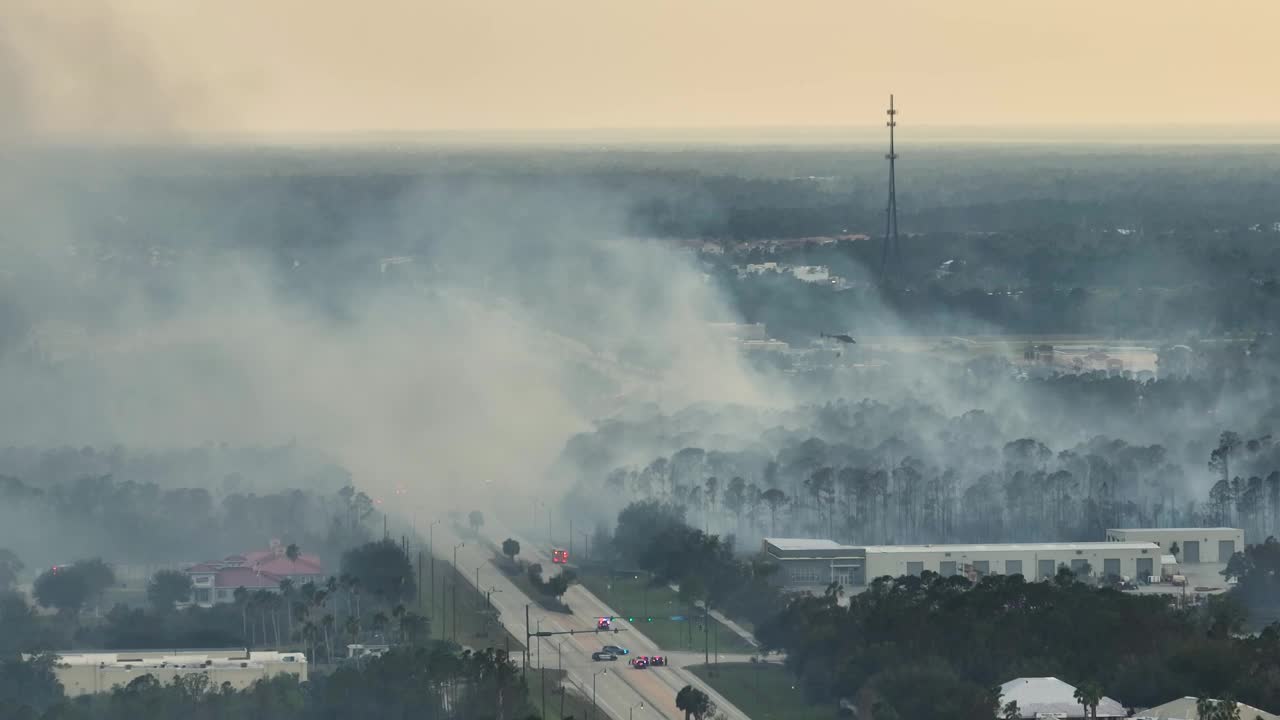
620,689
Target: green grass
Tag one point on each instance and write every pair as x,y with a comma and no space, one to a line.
629,596
521,580
764,691
129,596
574,703
478,625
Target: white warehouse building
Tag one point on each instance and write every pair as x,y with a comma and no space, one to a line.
1031,560
83,673
1195,545
814,564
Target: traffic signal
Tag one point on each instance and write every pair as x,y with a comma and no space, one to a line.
649,620
631,619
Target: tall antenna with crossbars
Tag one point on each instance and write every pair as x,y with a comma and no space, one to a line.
891,250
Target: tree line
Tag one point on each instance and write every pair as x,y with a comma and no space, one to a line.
371,597
431,679
939,647
172,524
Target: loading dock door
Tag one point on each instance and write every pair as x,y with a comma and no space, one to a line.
1226,548
1079,567
1191,551
1111,567
915,568
947,568
1046,569
1146,568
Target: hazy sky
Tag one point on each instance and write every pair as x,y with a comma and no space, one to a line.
317,66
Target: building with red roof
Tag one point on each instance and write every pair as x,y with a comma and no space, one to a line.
216,581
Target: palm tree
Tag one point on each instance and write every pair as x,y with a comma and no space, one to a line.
353,629
398,612
327,623
293,552
380,622
331,588
286,597
242,599
354,589
309,635
694,703
774,498
1089,694
262,602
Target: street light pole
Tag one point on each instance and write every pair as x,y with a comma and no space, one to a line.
632,710
431,550
593,689
542,673
455,591
560,669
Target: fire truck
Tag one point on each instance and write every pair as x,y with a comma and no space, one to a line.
559,556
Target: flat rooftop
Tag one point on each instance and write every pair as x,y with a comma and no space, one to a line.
1181,529
793,544
151,658
1012,547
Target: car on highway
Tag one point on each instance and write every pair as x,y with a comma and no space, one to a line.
604,623
615,650
658,660
640,663
598,656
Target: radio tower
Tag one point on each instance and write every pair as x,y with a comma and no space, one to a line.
890,249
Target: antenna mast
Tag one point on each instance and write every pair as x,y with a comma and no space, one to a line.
890,247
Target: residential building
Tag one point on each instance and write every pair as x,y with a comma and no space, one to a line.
216,582
817,563
1195,545
1049,697
84,673
1184,708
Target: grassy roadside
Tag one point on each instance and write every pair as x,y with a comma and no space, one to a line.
632,597
764,691
574,703
478,625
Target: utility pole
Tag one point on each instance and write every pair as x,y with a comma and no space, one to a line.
890,251
525,669
419,577
560,669
431,550
542,672
455,590
570,551
706,631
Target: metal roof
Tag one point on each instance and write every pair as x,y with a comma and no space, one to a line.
1012,547
1050,695
1184,708
1178,529
807,544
